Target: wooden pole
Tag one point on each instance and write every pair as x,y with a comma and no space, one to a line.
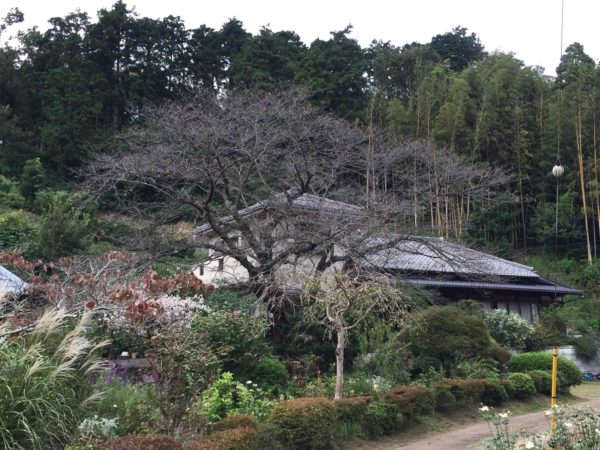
553,398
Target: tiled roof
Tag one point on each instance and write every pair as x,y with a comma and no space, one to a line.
309,202
550,288
10,282
436,255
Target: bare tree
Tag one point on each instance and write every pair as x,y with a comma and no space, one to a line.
267,169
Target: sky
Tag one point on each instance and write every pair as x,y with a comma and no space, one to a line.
531,29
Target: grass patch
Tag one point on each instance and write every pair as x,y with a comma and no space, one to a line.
588,389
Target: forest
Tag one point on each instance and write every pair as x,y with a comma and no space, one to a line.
66,93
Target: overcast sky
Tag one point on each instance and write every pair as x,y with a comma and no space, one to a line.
528,28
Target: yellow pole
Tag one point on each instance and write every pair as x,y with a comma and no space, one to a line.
553,398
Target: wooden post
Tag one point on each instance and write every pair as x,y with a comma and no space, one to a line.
553,398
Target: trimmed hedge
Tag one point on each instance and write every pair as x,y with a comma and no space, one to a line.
507,384
568,372
444,400
306,423
382,417
412,400
352,409
493,394
142,442
543,381
522,383
241,438
236,421
465,391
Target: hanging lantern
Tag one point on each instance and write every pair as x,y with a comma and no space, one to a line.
558,170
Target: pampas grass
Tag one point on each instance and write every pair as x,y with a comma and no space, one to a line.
43,382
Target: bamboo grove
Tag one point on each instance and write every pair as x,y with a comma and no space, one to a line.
67,92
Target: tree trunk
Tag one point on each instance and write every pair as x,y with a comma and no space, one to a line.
339,363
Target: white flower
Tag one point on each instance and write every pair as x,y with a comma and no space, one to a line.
548,413
484,408
376,387
529,444
504,415
568,424
249,382
254,385
115,406
597,431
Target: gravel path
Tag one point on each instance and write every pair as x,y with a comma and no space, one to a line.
470,437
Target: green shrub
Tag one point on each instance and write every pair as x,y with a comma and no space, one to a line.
412,400
500,354
444,399
15,230
134,405
508,386
62,230
381,418
272,374
350,414
568,372
306,423
508,329
465,391
542,380
241,438
9,194
493,394
240,335
523,385
227,397
231,422
448,333
142,442
44,383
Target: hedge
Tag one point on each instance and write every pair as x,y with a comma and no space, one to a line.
568,372
465,391
241,438
382,417
306,423
142,442
412,400
236,421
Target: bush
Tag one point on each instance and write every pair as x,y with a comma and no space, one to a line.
568,372
523,385
268,437
306,423
500,354
240,335
508,386
241,438
272,374
448,333
509,329
142,442
350,414
381,418
465,391
227,397
542,380
412,400
494,393
9,194
444,399
15,230
134,405
237,421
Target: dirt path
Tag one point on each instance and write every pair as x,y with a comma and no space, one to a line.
470,437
